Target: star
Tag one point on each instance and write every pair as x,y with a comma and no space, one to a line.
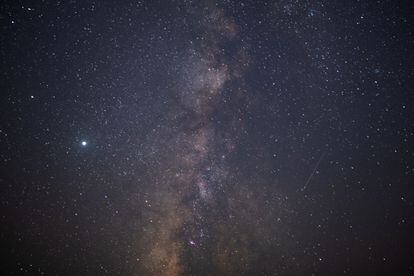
84,143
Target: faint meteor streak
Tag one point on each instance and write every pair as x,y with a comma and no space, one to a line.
313,171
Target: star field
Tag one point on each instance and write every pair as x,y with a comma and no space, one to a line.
207,137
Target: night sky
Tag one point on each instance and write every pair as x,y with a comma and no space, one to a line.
207,137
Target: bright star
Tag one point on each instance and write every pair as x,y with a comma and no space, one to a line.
84,143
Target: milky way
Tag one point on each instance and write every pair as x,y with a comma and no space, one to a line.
195,175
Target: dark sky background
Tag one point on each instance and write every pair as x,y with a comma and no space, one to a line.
207,138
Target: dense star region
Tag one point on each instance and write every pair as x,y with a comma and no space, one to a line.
194,149
207,137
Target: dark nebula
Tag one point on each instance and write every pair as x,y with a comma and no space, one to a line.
207,137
